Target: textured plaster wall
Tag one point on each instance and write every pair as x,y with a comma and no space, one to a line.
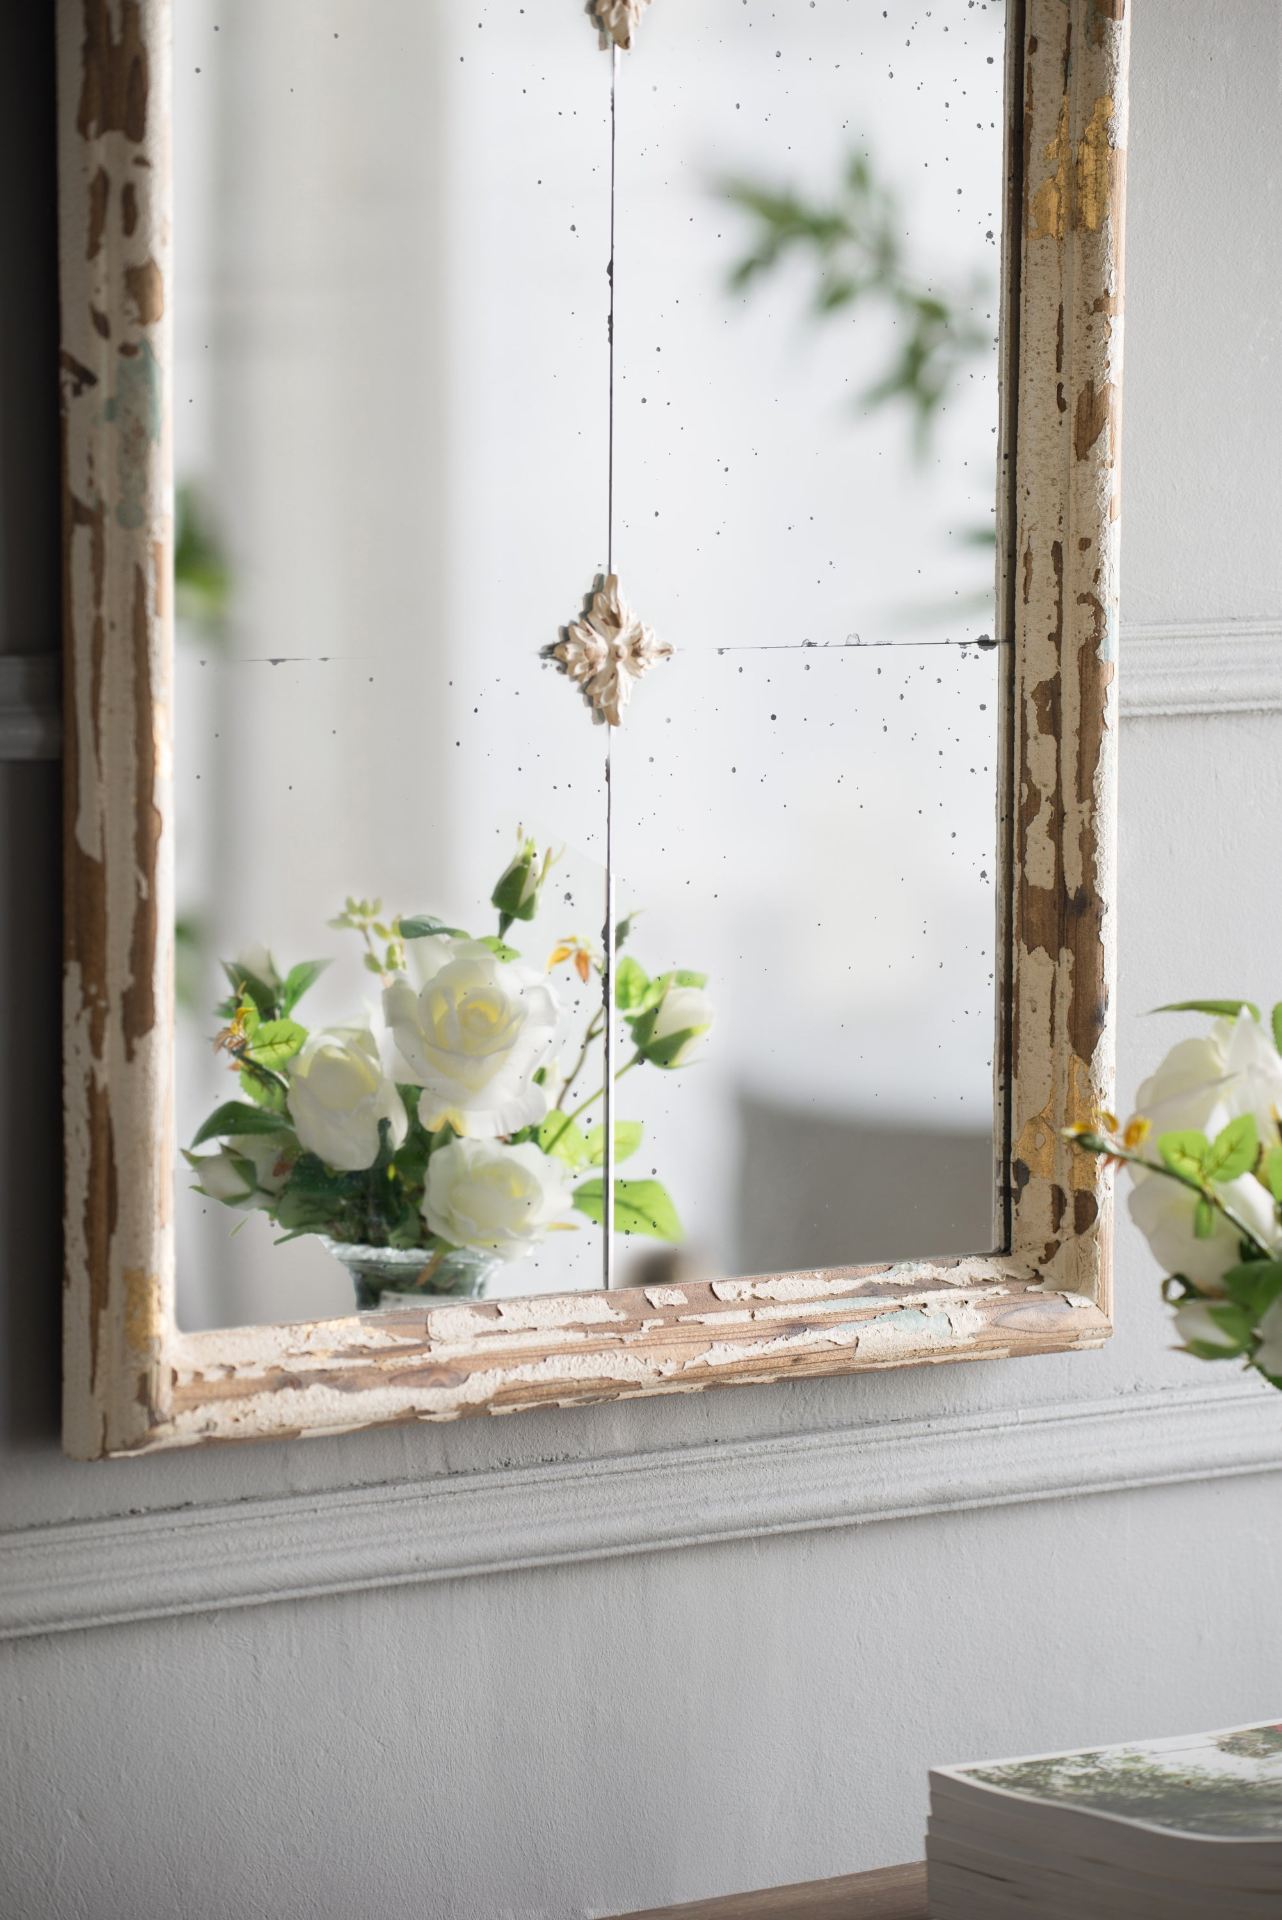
585,1740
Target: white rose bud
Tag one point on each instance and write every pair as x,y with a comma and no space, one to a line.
338,1093
472,1035
271,1154
222,1179
496,1198
683,1010
1164,1212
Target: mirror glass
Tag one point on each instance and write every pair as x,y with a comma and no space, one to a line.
522,379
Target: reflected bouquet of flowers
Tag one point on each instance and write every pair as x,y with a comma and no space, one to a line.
1205,1154
431,1145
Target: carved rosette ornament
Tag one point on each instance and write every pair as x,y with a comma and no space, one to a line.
607,650
618,20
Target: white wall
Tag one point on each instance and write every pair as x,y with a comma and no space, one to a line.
621,1732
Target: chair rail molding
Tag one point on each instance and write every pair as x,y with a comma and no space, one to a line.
142,1566
1201,666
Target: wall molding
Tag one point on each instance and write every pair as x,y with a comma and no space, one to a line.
1204,666
91,1573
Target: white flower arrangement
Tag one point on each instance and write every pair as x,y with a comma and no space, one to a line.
1209,1200
468,1140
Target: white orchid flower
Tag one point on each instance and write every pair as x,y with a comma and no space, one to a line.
1164,1212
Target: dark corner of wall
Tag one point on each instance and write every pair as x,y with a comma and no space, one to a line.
30,789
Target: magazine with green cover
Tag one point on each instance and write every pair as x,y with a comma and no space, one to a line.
1198,1811
1227,1785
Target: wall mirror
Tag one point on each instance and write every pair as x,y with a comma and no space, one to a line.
591,554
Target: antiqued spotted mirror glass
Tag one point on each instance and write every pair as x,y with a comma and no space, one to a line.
633,622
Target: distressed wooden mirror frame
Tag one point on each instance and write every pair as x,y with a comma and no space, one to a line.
133,1381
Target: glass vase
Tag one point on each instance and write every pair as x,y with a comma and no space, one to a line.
412,1276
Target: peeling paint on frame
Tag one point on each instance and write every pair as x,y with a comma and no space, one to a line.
132,1381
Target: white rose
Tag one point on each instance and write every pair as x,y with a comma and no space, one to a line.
1204,1083
472,1030
498,1198
682,1010
338,1093
1195,1321
1268,1355
1163,1210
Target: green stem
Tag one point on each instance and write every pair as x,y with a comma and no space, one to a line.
593,1033
1095,1143
584,1105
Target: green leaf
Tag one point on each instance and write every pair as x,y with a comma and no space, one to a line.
631,982
560,1137
1277,1026
1235,1325
421,926
640,1206
275,1042
1203,1221
667,1051
684,978
263,1089
298,980
623,928
1255,1285
499,948
1225,1009
627,1138
1273,1173
1233,1151
235,1117
1184,1153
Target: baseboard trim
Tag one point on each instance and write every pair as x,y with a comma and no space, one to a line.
1209,666
92,1573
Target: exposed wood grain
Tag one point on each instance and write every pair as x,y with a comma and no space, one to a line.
892,1893
114,237
133,1382
1065,698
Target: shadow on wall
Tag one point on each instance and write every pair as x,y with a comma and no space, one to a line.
817,1190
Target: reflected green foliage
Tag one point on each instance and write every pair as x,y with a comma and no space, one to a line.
202,579
855,247
189,960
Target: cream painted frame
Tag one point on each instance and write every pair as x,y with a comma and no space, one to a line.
132,1381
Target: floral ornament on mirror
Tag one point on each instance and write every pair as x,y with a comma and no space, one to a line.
1207,1191
617,20
429,1154
607,650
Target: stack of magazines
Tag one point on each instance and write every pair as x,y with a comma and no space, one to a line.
1176,1828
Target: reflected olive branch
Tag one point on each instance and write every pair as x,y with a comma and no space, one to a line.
856,249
